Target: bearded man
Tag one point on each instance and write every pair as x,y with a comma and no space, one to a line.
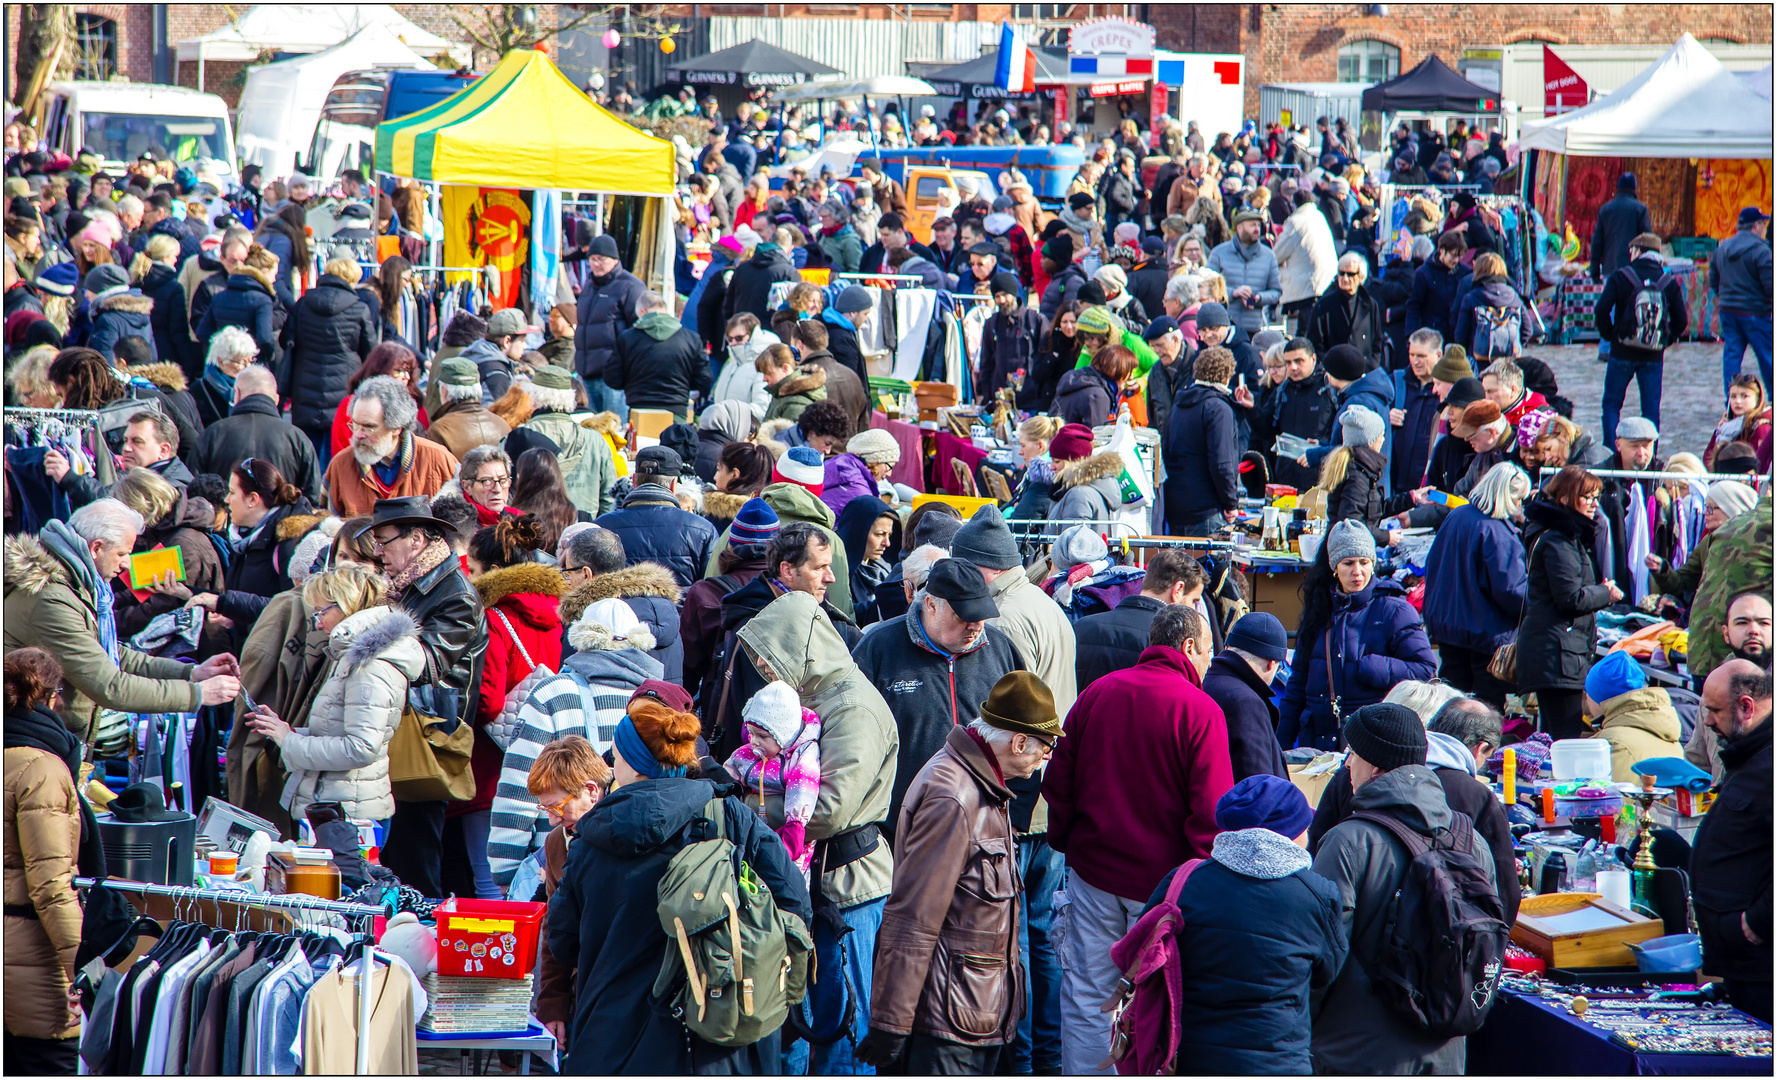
384,459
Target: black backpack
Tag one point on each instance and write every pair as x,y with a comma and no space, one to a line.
1444,940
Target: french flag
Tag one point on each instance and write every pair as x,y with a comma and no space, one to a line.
1017,70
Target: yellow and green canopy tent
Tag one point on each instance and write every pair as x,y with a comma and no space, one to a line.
524,125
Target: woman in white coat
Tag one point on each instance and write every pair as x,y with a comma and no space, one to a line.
739,380
343,754
1307,258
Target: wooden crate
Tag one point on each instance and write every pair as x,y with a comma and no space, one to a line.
1581,930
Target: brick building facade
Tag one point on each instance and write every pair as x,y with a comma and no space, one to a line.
1302,42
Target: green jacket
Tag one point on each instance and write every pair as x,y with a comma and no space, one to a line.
1144,356
50,604
794,503
1739,559
859,740
844,249
586,466
796,391
1680,580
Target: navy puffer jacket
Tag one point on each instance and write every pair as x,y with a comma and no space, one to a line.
607,308
333,334
1475,581
1376,641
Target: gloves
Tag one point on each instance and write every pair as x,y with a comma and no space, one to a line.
880,1049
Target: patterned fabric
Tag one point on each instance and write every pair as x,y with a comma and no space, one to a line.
428,560
1723,187
795,774
403,462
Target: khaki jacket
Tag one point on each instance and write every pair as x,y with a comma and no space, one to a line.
42,842
48,606
1638,725
859,739
947,958
461,426
283,662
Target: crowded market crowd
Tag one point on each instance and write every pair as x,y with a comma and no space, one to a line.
968,768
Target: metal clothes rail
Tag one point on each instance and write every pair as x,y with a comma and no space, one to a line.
68,416
1752,480
297,901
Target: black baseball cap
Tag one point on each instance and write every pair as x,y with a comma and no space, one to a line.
961,585
659,461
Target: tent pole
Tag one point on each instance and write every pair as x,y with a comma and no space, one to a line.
871,127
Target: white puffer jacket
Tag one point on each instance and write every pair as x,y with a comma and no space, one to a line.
740,380
343,754
1307,258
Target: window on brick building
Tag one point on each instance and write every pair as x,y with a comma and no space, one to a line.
95,43
1368,61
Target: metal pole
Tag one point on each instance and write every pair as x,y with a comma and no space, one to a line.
1631,474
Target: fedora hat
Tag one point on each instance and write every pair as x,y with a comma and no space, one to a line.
404,513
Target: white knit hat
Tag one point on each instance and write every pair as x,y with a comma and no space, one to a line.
875,446
777,709
610,624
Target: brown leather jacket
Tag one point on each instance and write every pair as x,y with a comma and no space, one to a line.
461,426
947,962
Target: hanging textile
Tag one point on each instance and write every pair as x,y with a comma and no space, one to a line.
914,310
1723,186
545,255
1636,525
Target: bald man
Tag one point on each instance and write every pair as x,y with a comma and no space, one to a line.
1731,858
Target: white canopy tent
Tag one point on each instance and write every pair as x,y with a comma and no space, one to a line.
1759,81
1685,105
309,28
281,102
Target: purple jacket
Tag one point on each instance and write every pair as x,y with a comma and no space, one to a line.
847,478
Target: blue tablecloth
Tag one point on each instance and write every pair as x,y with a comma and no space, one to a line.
1525,1036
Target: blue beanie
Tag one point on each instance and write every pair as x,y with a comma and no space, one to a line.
1263,801
1613,676
755,526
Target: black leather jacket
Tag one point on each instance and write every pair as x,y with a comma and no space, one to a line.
453,633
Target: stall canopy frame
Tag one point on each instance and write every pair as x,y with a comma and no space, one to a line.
770,65
1430,87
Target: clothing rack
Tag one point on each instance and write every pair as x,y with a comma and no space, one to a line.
1039,526
879,277
1749,479
76,417
300,901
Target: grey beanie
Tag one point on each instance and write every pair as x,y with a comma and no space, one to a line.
852,299
985,541
1349,539
1078,544
1359,426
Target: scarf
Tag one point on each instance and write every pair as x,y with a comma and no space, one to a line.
429,559
796,772
373,473
221,380
67,544
484,516
40,729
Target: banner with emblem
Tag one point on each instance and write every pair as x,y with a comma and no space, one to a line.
488,227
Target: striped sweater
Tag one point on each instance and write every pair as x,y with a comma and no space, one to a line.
556,708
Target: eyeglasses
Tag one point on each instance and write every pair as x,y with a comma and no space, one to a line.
738,340
492,481
377,543
566,569
316,616
366,428
1048,747
558,809
1348,273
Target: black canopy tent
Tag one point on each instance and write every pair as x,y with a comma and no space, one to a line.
1431,87
975,79
750,64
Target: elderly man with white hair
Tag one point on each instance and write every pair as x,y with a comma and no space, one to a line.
386,458
58,598
1348,313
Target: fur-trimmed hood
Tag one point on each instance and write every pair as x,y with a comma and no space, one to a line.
129,301
533,578
168,377
1260,853
642,579
1104,466
804,380
30,567
589,635
771,429
296,526
723,504
378,633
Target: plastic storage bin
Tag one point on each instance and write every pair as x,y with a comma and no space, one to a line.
1580,759
493,939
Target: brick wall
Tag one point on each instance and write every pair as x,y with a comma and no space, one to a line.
1300,43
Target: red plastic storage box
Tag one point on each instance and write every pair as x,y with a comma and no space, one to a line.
493,939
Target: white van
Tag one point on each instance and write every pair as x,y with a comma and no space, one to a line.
121,120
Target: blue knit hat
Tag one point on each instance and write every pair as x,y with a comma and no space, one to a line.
1264,801
1613,676
755,526
59,280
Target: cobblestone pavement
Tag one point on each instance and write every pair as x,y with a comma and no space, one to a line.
1690,394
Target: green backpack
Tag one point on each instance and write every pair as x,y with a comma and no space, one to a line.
710,901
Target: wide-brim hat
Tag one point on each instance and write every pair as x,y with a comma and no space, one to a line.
402,513
1020,702
143,802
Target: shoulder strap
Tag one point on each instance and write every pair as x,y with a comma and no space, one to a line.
716,813
1415,843
1332,691
513,634
1178,880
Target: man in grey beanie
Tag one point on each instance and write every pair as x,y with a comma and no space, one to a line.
1357,1030
848,321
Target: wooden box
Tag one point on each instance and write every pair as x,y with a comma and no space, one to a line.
649,423
1581,930
284,874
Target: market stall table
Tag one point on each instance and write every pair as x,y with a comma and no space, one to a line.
537,1040
1525,1035
1577,297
